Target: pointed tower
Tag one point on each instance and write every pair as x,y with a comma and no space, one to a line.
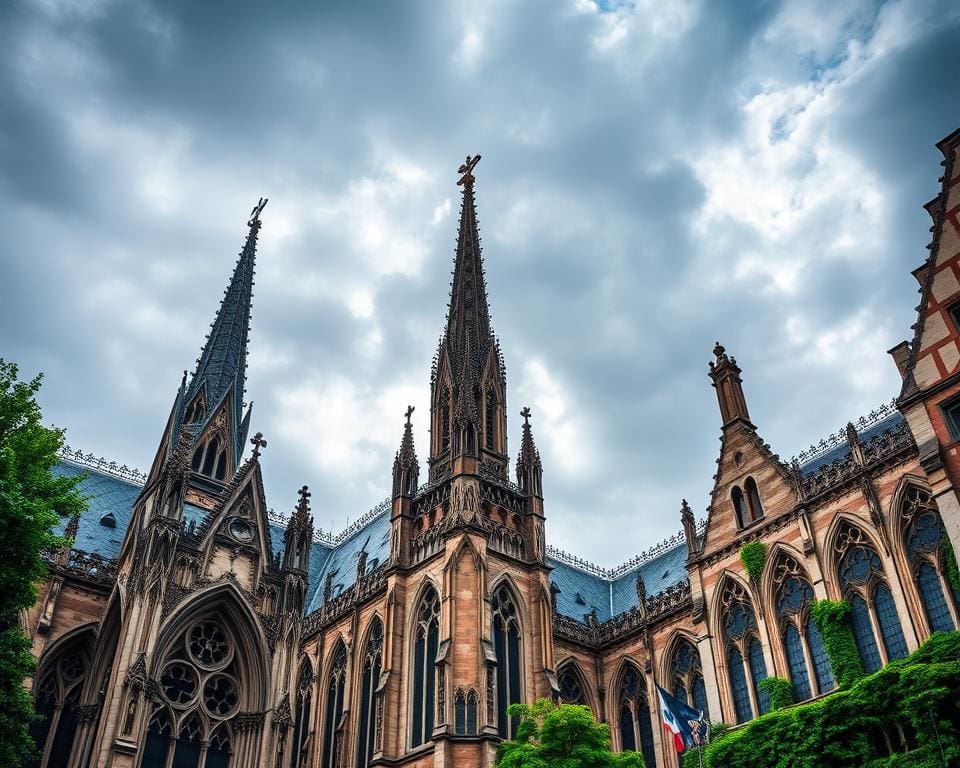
468,385
212,403
406,477
297,540
725,374
529,468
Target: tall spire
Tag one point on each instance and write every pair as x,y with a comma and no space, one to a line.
468,384
406,468
222,365
529,467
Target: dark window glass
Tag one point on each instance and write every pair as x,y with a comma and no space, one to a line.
372,664
491,409
66,731
460,713
863,634
753,499
738,685
889,622
187,753
758,672
506,644
646,735
739,506
951,415
424,667
335,685
570,690
821,662
934,603
627,739
797,663
221,465
700,695
472,713
158,742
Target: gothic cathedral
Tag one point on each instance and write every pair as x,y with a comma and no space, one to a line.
188,627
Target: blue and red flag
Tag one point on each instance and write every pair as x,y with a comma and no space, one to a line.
686,725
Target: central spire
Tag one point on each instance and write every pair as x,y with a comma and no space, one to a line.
468,385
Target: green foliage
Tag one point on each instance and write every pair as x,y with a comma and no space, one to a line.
950,565
564,736
833,623
752,556
779,690
919,696
31,500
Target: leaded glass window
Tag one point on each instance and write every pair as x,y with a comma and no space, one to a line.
465,712
506,646
57,699
571,691
925,540
301,721
739,629
369,682
635,725
199,696
426,642
800,637
336,681
863,583
687,674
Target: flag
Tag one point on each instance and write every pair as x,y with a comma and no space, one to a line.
686,725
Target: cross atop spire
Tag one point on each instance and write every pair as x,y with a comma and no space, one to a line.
466,169
222,365
258,443
409,412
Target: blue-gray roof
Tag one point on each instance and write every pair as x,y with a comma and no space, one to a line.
895,419
581,591
373,538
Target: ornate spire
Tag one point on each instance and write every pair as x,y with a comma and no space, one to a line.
725,374
406,468
299,534
529,468
222,365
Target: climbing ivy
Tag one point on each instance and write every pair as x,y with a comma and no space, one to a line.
752,556
912,705
779,690
950,565
832,620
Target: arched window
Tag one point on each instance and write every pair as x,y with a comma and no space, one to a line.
687,676
197,409
444,420
506,645
426,641
801,640
336,681
925,541
210,459
863,584
635,726
753,499
739,506
739,627
571,689
301,720
58,696
369,682
490,412
200,694
465,712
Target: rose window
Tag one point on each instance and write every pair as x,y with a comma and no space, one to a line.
220,696
208,645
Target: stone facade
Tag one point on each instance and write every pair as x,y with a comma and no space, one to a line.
190,627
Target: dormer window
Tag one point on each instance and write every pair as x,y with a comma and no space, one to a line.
746,503
196,410
210,459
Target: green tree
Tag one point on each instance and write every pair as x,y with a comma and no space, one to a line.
564,736
31,501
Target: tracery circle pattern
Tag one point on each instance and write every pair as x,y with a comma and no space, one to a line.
220,697
208,646
179,683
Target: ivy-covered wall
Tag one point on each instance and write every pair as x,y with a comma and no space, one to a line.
903,715
832,618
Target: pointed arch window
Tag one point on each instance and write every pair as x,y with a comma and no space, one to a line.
686,673
746,503
210,459
199,695
426,643
802,643
506,645
636,728
336,682
465,712
490,419
571,687
58,696
745,664
925,541
369,682
863,583
301,720
444,420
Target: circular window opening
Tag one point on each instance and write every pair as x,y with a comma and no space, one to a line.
208,645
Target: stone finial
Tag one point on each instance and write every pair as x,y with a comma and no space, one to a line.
689,527
258,443
725,374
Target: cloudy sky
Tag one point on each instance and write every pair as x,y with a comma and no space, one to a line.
656,175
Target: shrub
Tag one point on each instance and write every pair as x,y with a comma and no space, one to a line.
779,690
950,565
832,620
752,556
